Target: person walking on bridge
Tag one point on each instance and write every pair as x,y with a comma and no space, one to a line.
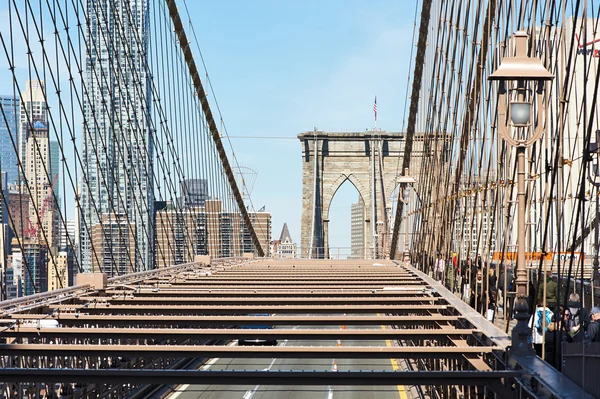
440,267
551,292
576,319
479,294
593,331
542,328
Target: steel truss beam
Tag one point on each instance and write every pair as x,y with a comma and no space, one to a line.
223,351
264,301
240,320
160,316
336,280
240,310
292,286
230,333
302,378
173,294
176,270
314,273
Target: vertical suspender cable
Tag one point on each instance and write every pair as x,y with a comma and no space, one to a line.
183,42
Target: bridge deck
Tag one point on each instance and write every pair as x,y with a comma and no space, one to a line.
176,313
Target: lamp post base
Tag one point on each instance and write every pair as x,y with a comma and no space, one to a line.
521,333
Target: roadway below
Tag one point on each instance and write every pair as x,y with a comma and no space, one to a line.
299,392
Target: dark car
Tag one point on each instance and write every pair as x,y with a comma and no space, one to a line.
257,341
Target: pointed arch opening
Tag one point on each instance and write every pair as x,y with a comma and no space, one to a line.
345,219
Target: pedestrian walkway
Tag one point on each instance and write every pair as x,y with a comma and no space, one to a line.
501,323
499,318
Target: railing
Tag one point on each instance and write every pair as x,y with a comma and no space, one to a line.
343,253
31,301
581,363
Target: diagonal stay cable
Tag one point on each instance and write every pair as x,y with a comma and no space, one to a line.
183,42
414,99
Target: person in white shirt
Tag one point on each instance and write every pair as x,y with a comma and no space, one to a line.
440,266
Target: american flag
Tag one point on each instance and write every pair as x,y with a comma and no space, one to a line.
375,107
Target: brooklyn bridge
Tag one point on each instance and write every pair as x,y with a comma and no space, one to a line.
135,264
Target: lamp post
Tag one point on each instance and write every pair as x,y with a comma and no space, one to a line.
594,171
405,194
515,74
405,180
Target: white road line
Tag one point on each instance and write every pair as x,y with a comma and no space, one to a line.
329,388
270,365
208,364
179,391
250,393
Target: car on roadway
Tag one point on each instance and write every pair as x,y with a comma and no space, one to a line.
257,341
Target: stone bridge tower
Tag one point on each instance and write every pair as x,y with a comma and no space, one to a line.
370,161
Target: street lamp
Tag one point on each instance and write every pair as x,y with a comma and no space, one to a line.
403,193
405,199
515,75
593,149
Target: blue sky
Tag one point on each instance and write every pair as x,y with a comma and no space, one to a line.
280,68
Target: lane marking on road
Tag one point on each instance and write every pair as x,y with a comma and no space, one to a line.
181,389
270,365
395,367
210,363
329,387
333,367
250,393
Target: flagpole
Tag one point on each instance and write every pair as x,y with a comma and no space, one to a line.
375,111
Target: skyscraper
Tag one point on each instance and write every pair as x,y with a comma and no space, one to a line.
33,108
55,169
357,230
4,198
37,169
117,144
66,236
183,234
9,130
4,235
194,192
35,268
